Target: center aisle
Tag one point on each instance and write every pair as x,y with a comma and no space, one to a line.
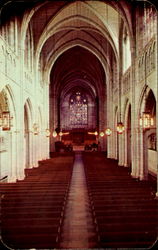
78,229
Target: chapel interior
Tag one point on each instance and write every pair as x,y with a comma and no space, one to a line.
78,124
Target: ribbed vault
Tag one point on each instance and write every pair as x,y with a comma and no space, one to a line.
77,66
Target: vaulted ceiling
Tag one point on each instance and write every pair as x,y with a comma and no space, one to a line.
73,40
78,67
76,43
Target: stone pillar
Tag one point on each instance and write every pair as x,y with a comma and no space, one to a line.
134,138
12,175
125,164
142,175
110,121
101,121
20,117
30,149
121,149
53,119
135,152
20,153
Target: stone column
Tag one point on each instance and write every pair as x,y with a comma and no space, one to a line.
101,121
125,164
12,175
20,155
121,149
110,121
134,138
141,173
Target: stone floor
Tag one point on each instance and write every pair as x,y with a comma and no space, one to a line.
78,228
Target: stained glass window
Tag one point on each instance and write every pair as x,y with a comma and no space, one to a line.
78,110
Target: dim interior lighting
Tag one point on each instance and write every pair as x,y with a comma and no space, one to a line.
54,134
5,120
101,134
65,133
108,131
35,129
60,133
120,128
93,133
47,133
146,121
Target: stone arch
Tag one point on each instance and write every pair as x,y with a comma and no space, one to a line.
55,23
28,52
26,20
150,154
8,152
147,99
152,55
12,105
142,99
71,45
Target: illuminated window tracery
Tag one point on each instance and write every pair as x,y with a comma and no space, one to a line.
78,110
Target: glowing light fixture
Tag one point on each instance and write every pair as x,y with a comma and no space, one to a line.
65,133
54,134
60,133
101,134
5,120
93,133
108,131
146,121
120,128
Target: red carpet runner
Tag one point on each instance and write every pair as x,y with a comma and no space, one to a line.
32,210
78,229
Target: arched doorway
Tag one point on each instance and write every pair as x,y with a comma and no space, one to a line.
149,137
8,142
4,137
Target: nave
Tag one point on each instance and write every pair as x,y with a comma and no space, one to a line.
81,200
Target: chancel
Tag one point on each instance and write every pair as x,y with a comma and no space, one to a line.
78,124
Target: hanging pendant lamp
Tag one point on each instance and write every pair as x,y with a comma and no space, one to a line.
108,132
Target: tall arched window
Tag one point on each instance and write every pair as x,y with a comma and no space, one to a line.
78,110
126,50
